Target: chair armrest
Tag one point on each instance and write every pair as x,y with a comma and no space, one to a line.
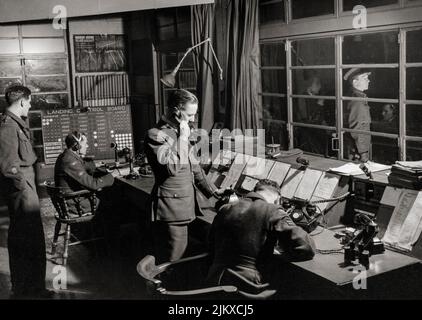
78,193
226,289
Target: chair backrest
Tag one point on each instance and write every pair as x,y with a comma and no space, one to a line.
62,199
158,283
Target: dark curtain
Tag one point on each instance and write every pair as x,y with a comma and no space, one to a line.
203,28
243,74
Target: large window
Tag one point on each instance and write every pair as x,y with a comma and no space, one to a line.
274,92
35,55
311,94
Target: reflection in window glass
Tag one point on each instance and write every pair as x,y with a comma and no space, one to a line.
274,108
313,52
305,8
414,46
384,150
10,68
349,4
314,111
414,83
382,116
45,66
274,81
49,101
413,150
4,83
371,48
384,83
271,12
277,132
414,120
316,82
351,151
46,84
273,54
317,141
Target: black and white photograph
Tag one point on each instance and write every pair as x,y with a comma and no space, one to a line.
209,155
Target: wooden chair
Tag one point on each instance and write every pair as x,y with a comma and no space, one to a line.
60,199
159,282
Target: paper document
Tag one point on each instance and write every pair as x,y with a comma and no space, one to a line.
410,164
352,169
291,183
405,225
391,196
256,168
233,175
279,172
249,183
308,184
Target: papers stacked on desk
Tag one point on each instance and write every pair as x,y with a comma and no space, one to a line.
352,169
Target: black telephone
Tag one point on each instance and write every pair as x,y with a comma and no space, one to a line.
303,213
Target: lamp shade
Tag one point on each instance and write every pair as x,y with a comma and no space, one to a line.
169,79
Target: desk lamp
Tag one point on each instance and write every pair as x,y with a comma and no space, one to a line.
169,79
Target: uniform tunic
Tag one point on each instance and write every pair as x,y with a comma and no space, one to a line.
26,244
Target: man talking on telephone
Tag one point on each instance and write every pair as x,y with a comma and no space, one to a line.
177,175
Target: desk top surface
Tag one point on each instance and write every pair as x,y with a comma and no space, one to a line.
331,266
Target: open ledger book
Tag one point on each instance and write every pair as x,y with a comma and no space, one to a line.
405,225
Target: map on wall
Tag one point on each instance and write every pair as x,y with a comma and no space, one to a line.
100,53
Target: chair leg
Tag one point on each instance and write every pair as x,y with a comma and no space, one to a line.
55,237
66,244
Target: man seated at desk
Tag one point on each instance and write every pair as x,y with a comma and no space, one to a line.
73,173
243,235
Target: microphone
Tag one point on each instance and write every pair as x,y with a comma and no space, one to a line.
116,156
302,161
366,170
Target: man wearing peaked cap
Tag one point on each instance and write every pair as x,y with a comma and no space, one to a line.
359,116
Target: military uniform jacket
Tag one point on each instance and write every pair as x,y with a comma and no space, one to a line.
173,197
16,152
72,173
360,119
245,234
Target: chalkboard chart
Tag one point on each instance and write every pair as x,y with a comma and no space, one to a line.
102,125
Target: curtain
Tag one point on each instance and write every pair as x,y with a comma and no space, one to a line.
243,74
203,28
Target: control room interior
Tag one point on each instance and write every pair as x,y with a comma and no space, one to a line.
106,68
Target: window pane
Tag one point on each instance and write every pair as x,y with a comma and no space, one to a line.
36,136
49,101
349,4
385,150
3,104
384,83
353,143
314,111
274,108
413,150
9,31
169,61
9,46
380,117
272,12
10,68
43,45
45,66
313,52
414,46
414,83
4,83
385,117
277,132
371,48
414,120
166,33
41,30
187,63
306,8
317,141
273,54
274,81
186,79
165,16
316,82
45,84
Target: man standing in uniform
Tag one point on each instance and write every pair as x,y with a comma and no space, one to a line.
26,243
176,177
359,116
